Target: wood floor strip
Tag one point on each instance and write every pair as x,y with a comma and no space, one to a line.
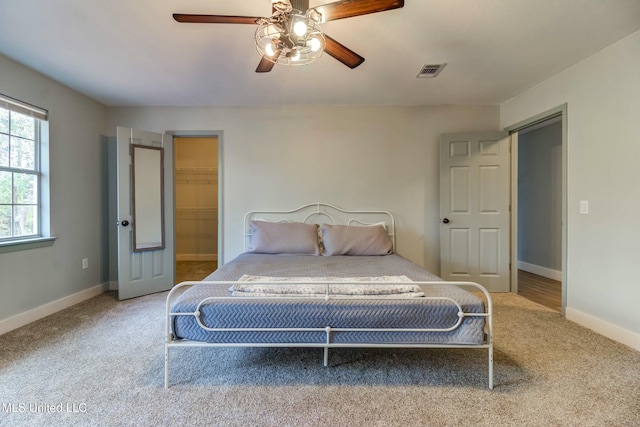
544,291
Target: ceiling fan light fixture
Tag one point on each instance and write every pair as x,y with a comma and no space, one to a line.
296,37
269,50
315,16
294,55
315,44
300,28
273,31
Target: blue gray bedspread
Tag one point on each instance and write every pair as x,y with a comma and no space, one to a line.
318,313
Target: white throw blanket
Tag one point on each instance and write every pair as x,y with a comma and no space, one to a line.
263,286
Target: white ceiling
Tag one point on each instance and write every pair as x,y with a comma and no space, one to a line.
132,52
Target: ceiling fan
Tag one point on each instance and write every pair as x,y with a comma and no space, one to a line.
292,34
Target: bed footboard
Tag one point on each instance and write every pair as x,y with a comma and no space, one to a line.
328,331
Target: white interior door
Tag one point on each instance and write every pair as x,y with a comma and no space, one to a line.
474,209
144,271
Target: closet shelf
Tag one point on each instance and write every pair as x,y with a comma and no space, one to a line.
196,181
199,209
197,170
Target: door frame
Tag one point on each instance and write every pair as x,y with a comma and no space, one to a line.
205,134
546,115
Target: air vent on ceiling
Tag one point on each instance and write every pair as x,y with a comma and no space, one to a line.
430,70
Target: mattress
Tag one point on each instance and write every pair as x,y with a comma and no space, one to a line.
320,313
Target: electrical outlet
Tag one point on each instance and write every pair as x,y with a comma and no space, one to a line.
85,263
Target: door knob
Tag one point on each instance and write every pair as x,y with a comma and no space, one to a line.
124,223
445,221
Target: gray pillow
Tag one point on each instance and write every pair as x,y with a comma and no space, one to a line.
355,240
289,238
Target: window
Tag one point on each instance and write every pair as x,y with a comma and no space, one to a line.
22,132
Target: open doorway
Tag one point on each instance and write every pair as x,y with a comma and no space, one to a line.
196,195
539,215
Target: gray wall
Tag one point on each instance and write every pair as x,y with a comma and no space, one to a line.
602,94
540,197
32,278
353,157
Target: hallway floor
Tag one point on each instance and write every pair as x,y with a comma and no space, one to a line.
544,291
194,270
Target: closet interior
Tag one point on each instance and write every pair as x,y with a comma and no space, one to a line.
196,193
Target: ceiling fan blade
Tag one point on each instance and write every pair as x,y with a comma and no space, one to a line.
267,65
348,8
214,19
342,53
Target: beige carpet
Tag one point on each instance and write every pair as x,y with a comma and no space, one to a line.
101,363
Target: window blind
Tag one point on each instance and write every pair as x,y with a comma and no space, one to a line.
23,108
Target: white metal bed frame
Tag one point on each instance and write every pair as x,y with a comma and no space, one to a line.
311,213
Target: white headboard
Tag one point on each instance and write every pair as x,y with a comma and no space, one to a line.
323,213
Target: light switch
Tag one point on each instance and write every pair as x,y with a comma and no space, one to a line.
584,207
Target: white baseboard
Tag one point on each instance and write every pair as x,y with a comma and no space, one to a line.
45,310
196,257
540,271
609,330
113,285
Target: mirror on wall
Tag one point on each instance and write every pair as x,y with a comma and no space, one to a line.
148,197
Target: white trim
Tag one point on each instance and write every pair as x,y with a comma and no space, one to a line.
196,257
513,224
540,271
113,285
48,309
609,330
